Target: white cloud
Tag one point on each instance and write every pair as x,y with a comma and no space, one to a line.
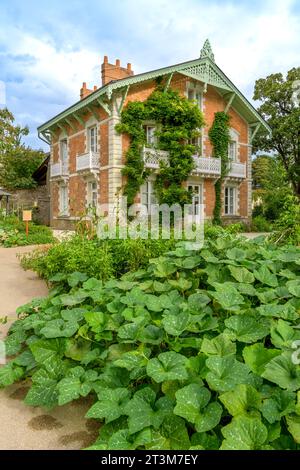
250,40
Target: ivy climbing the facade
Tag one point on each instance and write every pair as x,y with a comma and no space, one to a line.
219,137
177,122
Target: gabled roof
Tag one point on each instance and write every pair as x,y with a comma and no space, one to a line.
203,69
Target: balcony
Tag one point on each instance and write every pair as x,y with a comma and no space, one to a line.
152,157
237,170
207,166
59,170
88,162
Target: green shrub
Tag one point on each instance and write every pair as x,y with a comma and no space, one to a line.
260,224
97,258
12,233
287,227
194,352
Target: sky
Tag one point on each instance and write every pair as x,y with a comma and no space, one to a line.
48,48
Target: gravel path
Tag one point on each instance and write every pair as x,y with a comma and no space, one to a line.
24,427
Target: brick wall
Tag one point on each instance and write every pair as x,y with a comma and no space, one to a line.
114,147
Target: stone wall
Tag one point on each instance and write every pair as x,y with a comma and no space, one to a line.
37,199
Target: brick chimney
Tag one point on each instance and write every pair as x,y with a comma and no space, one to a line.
111,72
84,91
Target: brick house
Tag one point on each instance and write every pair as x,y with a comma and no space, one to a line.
87,154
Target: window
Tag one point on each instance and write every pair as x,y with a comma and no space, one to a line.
64,150
232,150
197,198
63,200
92,194
150,135
147,194
194,95
92,135
197,141
230,200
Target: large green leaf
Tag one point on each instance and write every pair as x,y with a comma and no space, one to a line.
293,424
10,374
60,329
192,404
294,287
283,372
244,433
228,296
76,383
283,334
242,400
257,357
46,349
141,412
287,311
221,345
44,391
264,275
241,274
172,435
248,329
225,373
111,404
190,400
168,366
279,404
175,324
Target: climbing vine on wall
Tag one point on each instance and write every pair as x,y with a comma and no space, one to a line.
177,120
220,137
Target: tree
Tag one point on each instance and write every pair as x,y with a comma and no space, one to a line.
282,113
10,133
271,186
17,161
268,173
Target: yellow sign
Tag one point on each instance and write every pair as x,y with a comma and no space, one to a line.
27,216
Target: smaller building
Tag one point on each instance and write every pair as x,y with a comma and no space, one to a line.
4,201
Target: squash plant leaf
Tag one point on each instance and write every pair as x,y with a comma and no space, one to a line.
244,433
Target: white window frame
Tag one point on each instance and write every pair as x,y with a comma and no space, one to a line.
63,150
92,193
93,138
232,151
197,198
230,203
194,93
151,138
63,200
147,194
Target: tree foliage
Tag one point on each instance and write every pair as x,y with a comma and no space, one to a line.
17,161
282,113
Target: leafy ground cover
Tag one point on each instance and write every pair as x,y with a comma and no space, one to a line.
195,351
101,259
12,233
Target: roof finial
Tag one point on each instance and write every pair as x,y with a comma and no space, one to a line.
206,51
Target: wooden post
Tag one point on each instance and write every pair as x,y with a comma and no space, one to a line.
27,217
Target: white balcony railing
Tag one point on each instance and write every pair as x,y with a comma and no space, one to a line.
152,157
59,170
237,170
87,162
207,166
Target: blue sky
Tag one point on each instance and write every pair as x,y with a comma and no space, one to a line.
48,48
